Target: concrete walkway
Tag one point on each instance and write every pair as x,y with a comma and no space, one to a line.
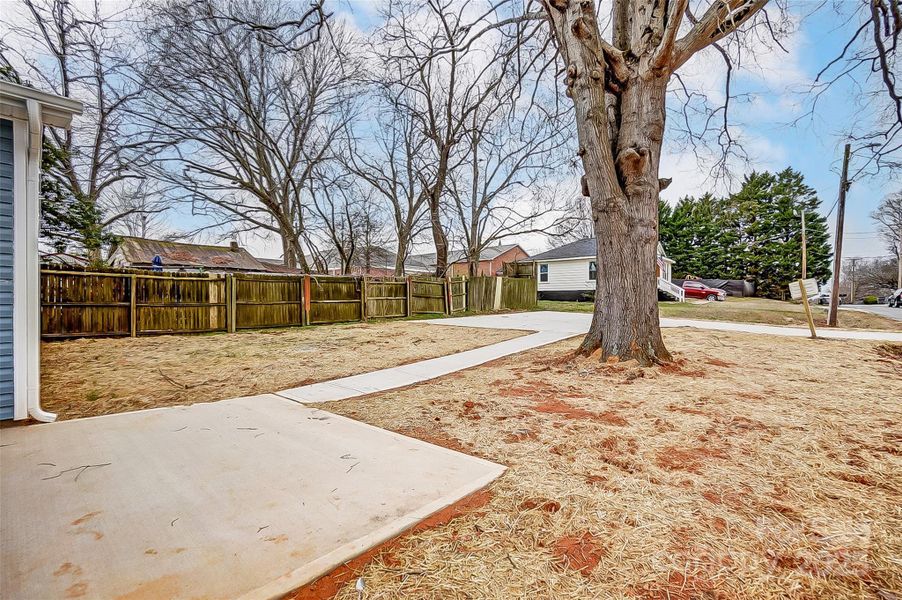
578,323
243,498
549,327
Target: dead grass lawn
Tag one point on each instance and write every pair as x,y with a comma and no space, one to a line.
89,377
756,467
751,310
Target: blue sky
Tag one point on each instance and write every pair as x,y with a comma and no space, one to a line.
814,145
775,97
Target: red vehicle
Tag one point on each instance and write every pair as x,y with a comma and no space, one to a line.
696,289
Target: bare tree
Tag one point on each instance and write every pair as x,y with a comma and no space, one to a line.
889,223
389,157
441,86
618,84
578,225
869,60
502,183
74,50
137,208
246,122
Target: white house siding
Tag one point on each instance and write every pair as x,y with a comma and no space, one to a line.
567,275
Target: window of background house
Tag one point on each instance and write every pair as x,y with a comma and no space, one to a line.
543,273
593,271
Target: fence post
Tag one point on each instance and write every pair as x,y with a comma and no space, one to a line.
447,288
305,317
363,298
407,304
467,294
496,301
231,303
133,309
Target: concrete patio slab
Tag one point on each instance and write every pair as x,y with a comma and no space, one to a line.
244,498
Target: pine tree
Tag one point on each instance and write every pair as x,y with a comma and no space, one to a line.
768,207
754,234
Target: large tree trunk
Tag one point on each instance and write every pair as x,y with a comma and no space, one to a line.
620,146
400,256
435,216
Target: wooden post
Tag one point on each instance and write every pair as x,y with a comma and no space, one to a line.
408,296
837,239
133,309
448,307
306,316
232,303
807,309
499,285
535,277
363,298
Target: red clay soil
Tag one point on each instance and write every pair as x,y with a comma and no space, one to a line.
677,368
559,407
331,583
549,506
719,363
578,552
687,459
682,587
434,435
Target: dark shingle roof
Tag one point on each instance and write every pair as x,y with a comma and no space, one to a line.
577,249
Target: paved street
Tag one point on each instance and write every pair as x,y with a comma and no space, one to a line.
878,309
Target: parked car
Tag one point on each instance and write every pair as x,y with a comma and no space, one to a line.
895,299
819,298
694,289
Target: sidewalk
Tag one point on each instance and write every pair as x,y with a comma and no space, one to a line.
549,327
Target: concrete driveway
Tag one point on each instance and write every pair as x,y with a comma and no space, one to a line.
244,498
878,309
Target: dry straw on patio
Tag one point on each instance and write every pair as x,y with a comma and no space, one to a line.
737,473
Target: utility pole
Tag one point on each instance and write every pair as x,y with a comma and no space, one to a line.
837,255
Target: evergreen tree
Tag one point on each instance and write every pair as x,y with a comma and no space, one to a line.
754,234
66,220
770,207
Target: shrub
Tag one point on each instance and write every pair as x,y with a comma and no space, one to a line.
870,299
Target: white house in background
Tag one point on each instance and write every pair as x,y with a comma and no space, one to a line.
569,272
23,113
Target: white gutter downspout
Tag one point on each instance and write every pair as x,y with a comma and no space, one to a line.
32,266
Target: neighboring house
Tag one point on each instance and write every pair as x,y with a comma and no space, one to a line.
491,260
569,272
24,112
64,259
139,253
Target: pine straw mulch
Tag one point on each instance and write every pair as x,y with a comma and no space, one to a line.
89,377
754,467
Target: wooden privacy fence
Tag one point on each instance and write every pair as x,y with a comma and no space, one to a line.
499,293
131,303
